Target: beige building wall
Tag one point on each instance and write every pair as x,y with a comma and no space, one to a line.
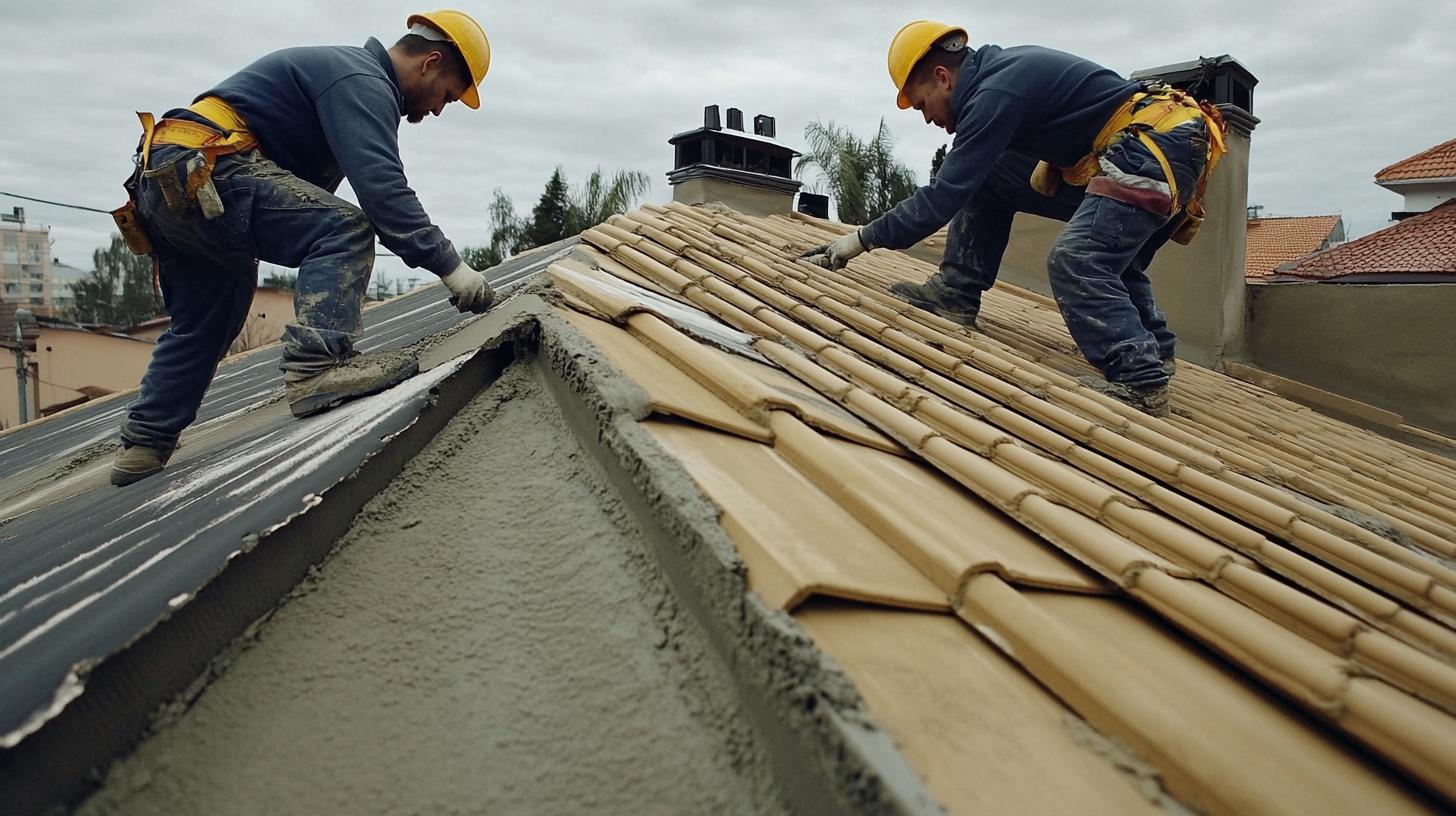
67,360
1390,345
271,311
741,197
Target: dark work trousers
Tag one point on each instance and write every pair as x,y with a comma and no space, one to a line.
209,269
1098,265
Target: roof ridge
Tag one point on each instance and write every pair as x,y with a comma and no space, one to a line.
1450,143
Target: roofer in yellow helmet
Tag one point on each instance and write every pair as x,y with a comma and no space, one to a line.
1045,132
247,172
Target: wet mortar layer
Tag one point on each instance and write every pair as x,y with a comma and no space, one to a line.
490,636
827,754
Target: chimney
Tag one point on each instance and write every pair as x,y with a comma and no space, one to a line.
751,173
814,204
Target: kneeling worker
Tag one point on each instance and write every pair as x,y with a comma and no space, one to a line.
1044,132
247,172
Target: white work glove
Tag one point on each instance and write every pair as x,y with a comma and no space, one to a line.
469,291
836,253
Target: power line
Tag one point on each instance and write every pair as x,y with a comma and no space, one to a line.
108,212
55,203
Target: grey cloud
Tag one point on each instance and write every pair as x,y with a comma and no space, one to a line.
1345,88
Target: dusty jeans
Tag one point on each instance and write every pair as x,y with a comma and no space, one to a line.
1097,266
209,269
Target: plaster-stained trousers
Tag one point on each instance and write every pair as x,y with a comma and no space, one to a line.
209,270
1098,265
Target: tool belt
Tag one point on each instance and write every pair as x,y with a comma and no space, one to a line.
187,179
1159,110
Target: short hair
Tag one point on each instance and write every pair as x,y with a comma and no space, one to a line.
939,57
416,46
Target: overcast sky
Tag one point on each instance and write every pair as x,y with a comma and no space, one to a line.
1345,88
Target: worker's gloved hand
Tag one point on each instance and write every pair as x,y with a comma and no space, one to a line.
469,291
1046,179
836,253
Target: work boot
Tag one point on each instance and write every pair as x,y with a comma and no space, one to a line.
136,462
1152,400
933,298
1170,367
356,377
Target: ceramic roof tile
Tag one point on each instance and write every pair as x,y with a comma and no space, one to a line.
794,539
669,390
1275,241
1438,162
1244,522
983,739
1421,244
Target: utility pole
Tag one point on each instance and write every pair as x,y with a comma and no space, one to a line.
20,365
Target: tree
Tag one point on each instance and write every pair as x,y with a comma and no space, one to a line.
937,160
119,290
558,214
603,197
548,217
281,279
864,177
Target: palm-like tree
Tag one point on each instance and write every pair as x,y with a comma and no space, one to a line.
602,197
863,177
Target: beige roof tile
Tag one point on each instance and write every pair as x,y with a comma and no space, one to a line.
1244,522
983,738
1178,709
669,390
794,539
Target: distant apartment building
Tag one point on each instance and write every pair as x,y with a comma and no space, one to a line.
25,263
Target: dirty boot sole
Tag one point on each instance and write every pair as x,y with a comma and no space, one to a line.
915,295
323,400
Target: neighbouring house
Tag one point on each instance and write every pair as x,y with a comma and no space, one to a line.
1420,248
70,363
1370,319
1425,180
1275,240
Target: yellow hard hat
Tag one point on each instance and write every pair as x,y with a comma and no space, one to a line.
912,42
468,37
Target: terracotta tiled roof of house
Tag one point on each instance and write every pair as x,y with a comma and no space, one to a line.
1423,244
1437,162
1276,241
1257,601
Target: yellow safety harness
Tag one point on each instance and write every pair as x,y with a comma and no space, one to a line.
1162,109
230,135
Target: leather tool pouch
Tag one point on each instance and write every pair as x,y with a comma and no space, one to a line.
184,180
129,222
1188,227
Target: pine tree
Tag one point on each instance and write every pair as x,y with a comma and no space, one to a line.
549,217
937,160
